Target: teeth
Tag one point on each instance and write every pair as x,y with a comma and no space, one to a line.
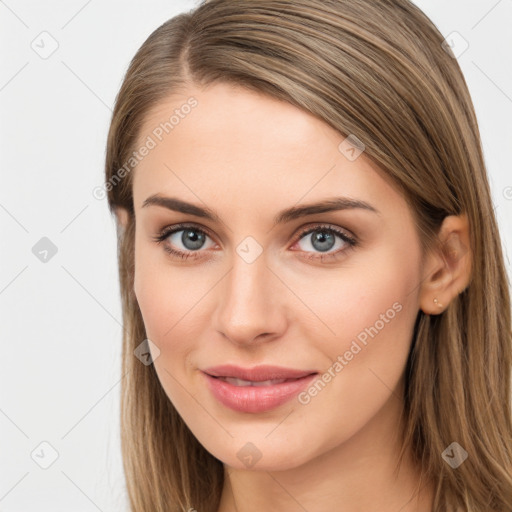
241,382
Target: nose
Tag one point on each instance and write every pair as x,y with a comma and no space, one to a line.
250,303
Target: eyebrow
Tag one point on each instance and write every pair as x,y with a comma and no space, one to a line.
295,212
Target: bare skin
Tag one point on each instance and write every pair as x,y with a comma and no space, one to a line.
246,157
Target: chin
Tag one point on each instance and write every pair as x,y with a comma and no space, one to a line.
260,455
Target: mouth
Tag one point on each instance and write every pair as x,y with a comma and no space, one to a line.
255,390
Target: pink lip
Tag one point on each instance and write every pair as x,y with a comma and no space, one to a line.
252,399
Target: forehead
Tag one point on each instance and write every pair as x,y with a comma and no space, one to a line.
235,141
248,117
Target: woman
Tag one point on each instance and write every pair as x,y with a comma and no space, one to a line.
316,308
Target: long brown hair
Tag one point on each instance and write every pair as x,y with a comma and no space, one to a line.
377,70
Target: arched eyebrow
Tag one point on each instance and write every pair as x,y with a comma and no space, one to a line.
287,215
327,205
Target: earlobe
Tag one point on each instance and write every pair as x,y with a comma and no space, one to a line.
448,269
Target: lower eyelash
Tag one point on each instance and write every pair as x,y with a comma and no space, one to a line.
179,254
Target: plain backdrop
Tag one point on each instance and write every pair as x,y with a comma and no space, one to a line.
59,296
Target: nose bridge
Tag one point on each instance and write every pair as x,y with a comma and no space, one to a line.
248,302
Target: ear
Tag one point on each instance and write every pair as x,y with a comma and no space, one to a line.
447,270
121,217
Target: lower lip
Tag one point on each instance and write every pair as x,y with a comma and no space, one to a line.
255,399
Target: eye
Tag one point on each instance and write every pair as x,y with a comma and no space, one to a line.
187,241
322,238
183,241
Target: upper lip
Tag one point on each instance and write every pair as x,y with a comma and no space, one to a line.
257,373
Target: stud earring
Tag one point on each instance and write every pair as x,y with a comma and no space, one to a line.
438,303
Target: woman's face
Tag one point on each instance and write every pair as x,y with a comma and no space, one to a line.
331,291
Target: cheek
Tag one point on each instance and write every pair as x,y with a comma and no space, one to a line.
165,302
162,291
148,288
374,289
171,301
372,310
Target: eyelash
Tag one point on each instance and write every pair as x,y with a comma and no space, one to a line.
168,231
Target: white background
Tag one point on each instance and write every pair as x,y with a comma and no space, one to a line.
60,332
